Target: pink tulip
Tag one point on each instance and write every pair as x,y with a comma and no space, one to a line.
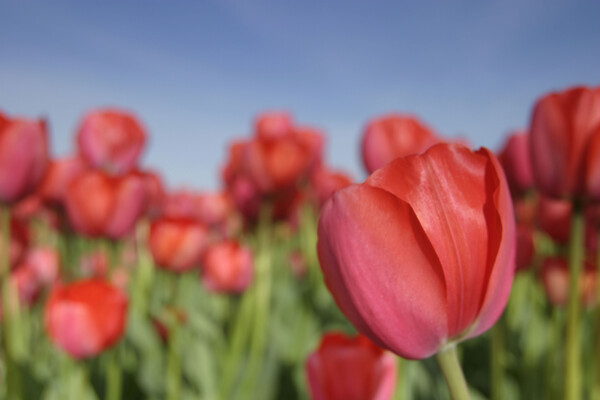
350,368
23,157
422,254
111,139
227,267
392,136
565,143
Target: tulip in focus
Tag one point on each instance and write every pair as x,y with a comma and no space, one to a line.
227,267
393,136
23,157
350,368
86,317
111,139
99,204
422,254
177,244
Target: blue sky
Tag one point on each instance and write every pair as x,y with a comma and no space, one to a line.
197,72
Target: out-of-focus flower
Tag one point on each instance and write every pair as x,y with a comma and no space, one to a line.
86,317
99,204
565,143
59,174
23,157
515,159
19,241
155,192
525,247
94,265
350,368
111,139
422,253
324,182
555,279
391,136
227,267
273,125
177,244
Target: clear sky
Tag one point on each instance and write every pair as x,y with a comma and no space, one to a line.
196,72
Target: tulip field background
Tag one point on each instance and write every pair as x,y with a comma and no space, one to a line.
262,200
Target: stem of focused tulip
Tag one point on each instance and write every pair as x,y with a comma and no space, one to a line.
448,362
400,381
573,336
497,360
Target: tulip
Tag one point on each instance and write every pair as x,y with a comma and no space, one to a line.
227,267
177,244
525,247
111,139
59,174
554,275
516,161
86,317
19,240
102,205
350,368
565,143
421,255
324,182
391,136
273,125
23,157
155,192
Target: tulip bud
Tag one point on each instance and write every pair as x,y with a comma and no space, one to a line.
554,275
515,159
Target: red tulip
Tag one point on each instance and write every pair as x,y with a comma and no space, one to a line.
227,267
565,143
525,247
177,244
393,136
555,279
155,192
23,157
60,173
422,253
19,240
86,317
111,139
38,270
350,368
273,125
102,205
324,182
515,159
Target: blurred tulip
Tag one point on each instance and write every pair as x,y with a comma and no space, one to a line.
565,143
23,157
85,317
111,139
103,205
177,244
422,253
214,208
94,265
19,241
555,279
155,192
273,125
392,136
227,267
515,159
525,247
350,368
554,218
45,264
324,182
59,174
297,264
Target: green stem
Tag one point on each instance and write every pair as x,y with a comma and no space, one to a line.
173,357
113,376
448,362
573,336
596,358
401,378
497,360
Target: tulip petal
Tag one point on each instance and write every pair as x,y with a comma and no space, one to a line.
376,259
